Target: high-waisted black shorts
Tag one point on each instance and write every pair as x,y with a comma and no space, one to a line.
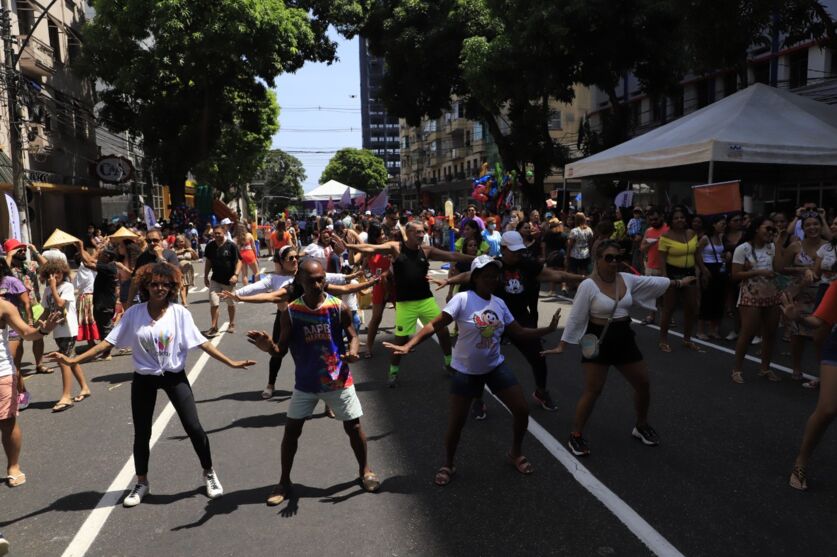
618,346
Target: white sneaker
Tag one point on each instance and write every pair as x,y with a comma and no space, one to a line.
23,400
213,486
731,336
135,497
756,340
4,545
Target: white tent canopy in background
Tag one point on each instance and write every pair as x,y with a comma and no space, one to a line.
758,125
333,190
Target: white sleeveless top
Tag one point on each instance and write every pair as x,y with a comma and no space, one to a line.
7,366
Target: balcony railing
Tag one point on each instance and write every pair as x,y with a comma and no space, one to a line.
37,58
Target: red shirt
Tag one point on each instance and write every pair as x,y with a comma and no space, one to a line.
653,257
827,310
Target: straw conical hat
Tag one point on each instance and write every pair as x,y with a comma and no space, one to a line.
60,238
123,233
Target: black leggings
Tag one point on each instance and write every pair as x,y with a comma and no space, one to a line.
143,398
275,361
531,350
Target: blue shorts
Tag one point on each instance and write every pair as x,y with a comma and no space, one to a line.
829,349
471,386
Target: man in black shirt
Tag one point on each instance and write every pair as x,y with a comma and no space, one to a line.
413,298
223,261
154,253
105,288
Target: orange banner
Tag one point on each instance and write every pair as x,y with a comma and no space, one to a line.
718,198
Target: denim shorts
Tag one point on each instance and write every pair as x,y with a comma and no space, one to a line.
471,386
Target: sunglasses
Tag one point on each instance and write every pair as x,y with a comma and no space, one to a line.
292,258
610,258
161,285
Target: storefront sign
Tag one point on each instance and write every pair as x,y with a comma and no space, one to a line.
114,170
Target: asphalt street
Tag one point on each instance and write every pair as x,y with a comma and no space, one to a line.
717,485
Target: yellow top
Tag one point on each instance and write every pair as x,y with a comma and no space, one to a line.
677,253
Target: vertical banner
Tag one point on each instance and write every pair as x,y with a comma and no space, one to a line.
14,218
718,198
148,214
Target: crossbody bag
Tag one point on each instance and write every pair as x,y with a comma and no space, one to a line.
590,343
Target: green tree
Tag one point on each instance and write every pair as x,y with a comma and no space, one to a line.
192,77
283,175
358,168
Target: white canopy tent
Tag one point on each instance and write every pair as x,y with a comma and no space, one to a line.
758,125
332,190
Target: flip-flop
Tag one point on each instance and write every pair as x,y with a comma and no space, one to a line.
370,482
367,355
521,464
16,481
444,475
80,397
692,346
664,347
278,495
43,369
61,406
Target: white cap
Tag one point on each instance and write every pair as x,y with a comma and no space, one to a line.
481,261
368,213
226,221
513,241
157,226
431,211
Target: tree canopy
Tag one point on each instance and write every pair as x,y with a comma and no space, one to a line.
192,78
507,58
358,168
283,176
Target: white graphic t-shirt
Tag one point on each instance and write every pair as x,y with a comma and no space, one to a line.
157,346
481,323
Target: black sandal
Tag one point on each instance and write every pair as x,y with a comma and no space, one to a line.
798,478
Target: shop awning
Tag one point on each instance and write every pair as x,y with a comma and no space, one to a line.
48,187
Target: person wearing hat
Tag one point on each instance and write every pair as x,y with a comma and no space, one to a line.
227,224
482,319
413,298
27,273
519,277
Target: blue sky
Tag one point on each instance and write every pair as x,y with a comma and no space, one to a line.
334,88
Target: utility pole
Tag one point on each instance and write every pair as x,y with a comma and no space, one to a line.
15,144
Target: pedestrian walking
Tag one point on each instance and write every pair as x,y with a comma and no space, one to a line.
313,330
224,265
160,334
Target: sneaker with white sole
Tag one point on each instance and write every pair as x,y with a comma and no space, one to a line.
544,400
4,545
478,410
578,445
732,335
647,435
135,497
213,486
756,340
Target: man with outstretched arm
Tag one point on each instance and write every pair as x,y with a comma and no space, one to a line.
312,329
413,298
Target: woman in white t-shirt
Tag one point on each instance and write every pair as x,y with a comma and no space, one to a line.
601,307
759,295
60,296
477,362
160,333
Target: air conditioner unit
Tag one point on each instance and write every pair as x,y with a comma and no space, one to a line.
38,138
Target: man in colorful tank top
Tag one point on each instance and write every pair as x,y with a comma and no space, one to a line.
312,329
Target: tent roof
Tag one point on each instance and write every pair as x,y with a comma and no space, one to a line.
757,125
331,189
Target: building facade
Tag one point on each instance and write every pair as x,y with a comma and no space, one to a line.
380,129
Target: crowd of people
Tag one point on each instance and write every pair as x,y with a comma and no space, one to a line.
752,279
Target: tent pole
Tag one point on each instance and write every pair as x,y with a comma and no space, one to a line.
711,171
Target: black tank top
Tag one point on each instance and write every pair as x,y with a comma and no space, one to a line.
410,270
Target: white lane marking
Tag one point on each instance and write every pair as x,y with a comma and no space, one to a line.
88,532
621,510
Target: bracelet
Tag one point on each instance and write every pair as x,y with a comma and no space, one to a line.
43,333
